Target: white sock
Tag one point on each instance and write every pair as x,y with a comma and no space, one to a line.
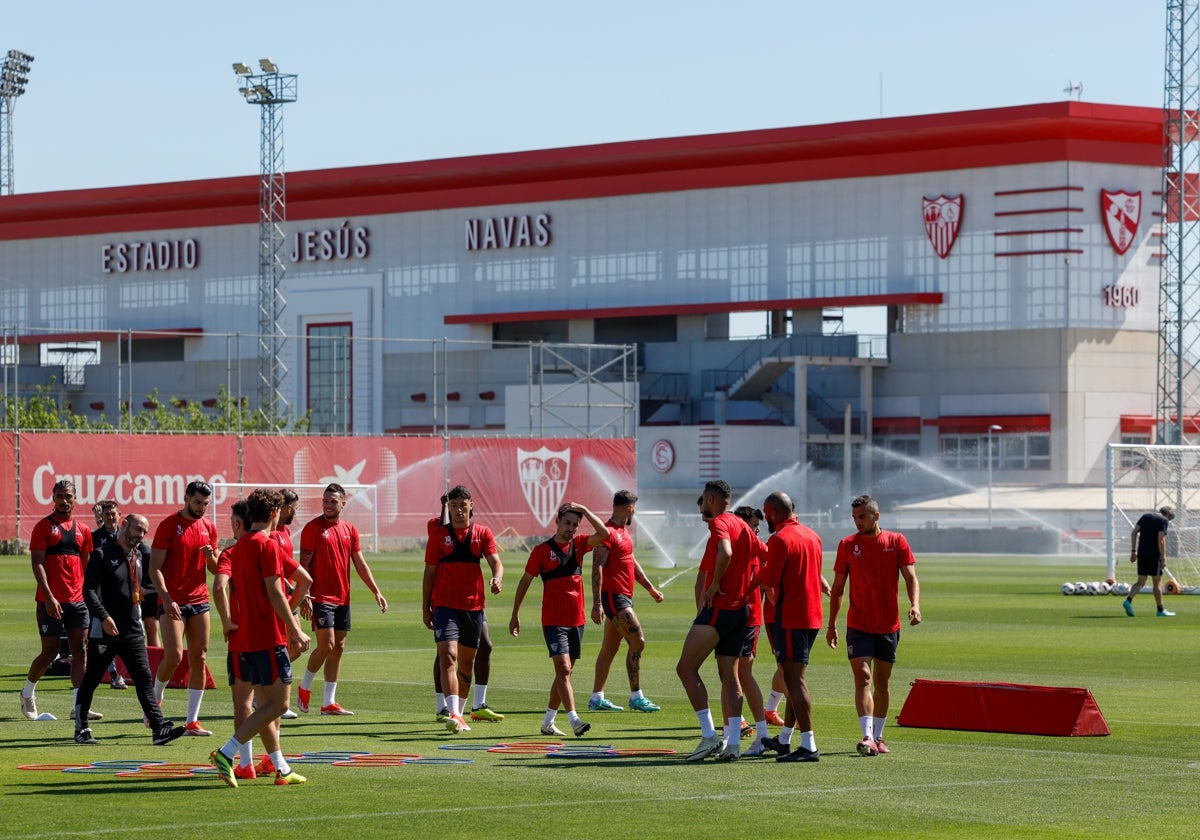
480,695
232,748
330,693
760,730
773,700
280,762
452,704
195,695
29,689
160,687
785,735
307,680
808,741
246,753
635,695
877,724
573,716
551,714
707,730
867,727
439,702
74,697
735,730
597,696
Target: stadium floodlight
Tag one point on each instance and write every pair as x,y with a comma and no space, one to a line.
268,66
991,428
14,75
241,69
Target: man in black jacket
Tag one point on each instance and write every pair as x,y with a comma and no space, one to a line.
110,588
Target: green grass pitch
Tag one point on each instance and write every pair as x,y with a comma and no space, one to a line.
986,618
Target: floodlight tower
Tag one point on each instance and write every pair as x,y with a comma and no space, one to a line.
1179,275
14,75
270,90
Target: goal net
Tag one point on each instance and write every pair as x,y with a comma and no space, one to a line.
1144,478
361,508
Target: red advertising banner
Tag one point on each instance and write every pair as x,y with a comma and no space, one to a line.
408,475
145,474
8,484
518,484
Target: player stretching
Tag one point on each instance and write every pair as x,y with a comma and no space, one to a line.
183,550
614,570
328,545
452,600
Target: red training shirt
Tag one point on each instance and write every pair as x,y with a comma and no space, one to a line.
67,545
734,588
872,566
458,585
618,574
332,545
562,596
183,567
257,558
793,569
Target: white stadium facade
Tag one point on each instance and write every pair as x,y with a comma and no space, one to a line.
1015,252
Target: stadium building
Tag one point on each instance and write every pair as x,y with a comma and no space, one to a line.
1014,251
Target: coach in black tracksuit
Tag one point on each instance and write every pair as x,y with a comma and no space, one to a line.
110,588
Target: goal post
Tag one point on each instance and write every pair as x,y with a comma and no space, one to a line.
361,510
1142,478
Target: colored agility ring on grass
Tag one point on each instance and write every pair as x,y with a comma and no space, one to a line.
439,760
468,747
319,757
376,760
57,767
607,753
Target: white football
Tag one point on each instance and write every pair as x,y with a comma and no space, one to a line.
1068,588
1081,588
1093,587
1104,587
1121,588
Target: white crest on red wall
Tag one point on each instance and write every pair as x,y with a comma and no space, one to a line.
1122,212
543,477
942,217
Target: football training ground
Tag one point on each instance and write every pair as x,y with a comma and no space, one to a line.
995,619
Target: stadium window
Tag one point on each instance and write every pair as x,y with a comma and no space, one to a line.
329,379
1133,460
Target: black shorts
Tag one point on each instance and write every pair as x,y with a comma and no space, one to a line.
462,626
560,640
614,602
230,658
1150,566
882,646
74,617
150,606
264,667
750,642
793,645
730,626
188,610
331,616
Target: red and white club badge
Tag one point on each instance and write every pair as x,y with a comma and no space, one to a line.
1122,211
942,218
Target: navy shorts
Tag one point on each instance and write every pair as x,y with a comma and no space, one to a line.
793,645
731,628
614,602
331,616
264,667
74,617
462,626
871,645
560,640
188,610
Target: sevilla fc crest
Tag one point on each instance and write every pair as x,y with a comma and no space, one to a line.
543,480
1122,211
942,217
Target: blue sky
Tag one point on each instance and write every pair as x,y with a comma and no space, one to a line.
142,92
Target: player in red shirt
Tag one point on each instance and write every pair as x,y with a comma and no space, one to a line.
283,534
721,623
793,572
614,571
263,627
328,547
559,563
453,600
59,548
751,692
182,553
872,560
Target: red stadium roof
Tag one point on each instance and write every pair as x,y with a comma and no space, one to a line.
1077,131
